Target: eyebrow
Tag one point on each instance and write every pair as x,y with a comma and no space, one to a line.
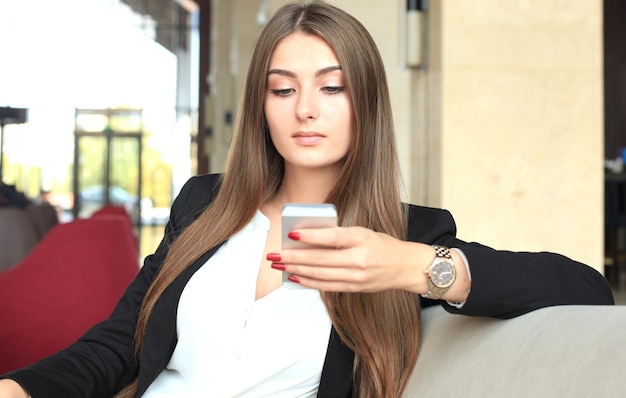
319,73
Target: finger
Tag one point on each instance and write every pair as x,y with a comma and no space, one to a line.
344,276
321,257
331,285
337,237
321,273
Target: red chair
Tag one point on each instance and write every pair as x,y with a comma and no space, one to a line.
117,211
111,210
69,282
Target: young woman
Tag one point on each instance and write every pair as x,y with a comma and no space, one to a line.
208,314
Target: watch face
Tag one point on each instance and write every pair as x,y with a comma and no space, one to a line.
442,274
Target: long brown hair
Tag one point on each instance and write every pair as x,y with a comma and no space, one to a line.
383,329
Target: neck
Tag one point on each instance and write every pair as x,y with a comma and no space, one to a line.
306,185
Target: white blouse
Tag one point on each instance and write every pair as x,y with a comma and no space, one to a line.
231,345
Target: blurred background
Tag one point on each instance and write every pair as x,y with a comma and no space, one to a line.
511,114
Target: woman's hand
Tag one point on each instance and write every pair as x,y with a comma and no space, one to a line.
357,259
11,389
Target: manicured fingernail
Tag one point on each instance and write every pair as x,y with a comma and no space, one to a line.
294,235
293,279
278,266
273,256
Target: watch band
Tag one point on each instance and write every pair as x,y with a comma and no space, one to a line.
442,255
441,251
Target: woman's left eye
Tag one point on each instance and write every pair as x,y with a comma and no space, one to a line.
283,92
333,89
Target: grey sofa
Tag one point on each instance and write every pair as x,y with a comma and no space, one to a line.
21,229
563,351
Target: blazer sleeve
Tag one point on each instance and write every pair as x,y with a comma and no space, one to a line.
506,284
102,361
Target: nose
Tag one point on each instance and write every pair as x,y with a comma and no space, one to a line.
307,107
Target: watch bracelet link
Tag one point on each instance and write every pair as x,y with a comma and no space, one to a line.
441,251
435,292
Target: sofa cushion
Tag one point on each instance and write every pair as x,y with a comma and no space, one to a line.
563,351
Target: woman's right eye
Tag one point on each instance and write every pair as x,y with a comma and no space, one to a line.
283,92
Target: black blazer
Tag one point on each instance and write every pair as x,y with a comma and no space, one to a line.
504,285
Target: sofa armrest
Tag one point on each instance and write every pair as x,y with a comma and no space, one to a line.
563,351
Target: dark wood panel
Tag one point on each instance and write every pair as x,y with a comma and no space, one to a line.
614,77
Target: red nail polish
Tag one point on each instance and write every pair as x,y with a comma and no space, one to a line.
273,256
293,279
294,235
278,266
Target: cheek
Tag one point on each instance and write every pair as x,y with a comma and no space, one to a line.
274,113
345,120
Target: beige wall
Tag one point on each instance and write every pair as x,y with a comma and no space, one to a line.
522,123
504,127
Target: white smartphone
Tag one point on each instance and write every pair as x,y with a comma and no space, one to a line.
304,215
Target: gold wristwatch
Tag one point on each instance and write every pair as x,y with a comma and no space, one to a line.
441,273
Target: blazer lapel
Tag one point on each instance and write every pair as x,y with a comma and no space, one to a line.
336,381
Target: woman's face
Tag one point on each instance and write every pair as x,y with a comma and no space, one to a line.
307,105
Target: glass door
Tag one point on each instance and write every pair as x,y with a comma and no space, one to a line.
107,161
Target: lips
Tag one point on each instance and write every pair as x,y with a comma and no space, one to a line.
308,137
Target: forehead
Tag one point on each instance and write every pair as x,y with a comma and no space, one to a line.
303,51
